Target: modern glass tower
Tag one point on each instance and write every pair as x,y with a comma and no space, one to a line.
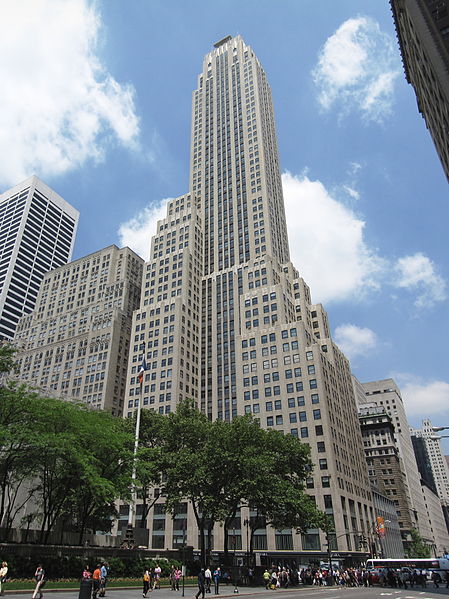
226,319
37,234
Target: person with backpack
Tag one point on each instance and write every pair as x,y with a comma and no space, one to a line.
146,582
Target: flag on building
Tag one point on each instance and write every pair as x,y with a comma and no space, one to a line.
142,369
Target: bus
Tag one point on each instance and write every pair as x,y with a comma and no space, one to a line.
438,563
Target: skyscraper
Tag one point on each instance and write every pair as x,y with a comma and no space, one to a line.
386,394
37,234
226,319
423,32
75,343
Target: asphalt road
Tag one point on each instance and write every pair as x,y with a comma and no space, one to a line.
260,593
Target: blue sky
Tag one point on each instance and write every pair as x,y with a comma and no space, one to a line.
96,102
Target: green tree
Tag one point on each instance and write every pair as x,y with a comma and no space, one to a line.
189,462
148,464
18,415
104,470
417,547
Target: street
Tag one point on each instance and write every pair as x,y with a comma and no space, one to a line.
258,592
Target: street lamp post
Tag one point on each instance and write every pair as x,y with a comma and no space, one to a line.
183,556
246,523
236,590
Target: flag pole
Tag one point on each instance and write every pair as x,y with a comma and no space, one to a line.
132,504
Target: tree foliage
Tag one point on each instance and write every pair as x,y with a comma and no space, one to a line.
417,547
221,466
67,461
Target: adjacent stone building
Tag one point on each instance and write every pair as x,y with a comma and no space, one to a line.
423,32
76,342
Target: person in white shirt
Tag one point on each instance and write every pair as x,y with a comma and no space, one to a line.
208,577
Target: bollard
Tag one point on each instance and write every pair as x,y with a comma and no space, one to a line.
85,588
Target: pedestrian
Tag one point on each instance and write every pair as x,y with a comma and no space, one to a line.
266,578
87,574
178,574
146,582
201,584
208,579
250,577
96,576
103,579
157,577
436,578
217,576
3,574
39,577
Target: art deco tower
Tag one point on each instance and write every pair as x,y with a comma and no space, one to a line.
226,319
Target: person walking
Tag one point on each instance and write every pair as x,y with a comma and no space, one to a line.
146,582
201,584
3,573
103,579
39,577
436,579
208,579
96,577
178,574
157,577
266,578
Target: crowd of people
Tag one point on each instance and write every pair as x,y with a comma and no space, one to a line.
350,577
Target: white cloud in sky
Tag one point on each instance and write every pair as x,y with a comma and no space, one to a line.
424,398
356,70
326,242
418,273
355,341
136,233
59,106
328,246
355,195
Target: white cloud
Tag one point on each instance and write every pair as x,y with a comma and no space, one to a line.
59,106
136,233
355,195
418,273
326,242
328,246
356,70
424,398
355,341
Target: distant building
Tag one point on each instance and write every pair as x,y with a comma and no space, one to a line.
37,234
423,32
437,523
390,544
433,458
432,463
386,394
75,343
386,473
